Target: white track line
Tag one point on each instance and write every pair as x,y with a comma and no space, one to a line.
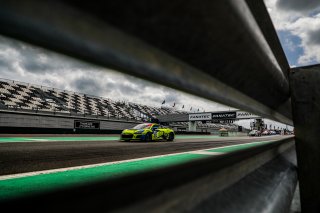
35,139
202,151
207,153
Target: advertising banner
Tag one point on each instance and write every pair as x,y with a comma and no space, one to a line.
86,124
200,117
221,116
246,115
224,115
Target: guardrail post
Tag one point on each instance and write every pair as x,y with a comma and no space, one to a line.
305,91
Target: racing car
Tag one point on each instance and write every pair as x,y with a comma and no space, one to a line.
147,132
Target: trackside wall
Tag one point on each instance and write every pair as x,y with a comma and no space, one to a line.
17,122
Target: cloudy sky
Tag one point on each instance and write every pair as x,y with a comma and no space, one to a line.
30,64
298,26
297,23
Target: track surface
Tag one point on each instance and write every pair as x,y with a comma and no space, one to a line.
20,157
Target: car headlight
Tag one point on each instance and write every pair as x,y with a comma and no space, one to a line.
139,131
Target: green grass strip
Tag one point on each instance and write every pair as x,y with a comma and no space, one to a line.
24,186
238,147
50,139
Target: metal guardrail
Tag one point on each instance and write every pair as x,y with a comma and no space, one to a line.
225,51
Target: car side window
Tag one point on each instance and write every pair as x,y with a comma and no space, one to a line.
155,128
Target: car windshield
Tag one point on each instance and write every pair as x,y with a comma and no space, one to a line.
142,126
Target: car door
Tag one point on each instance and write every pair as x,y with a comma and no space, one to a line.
156,133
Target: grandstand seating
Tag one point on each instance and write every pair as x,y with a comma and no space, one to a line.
24,96
32,97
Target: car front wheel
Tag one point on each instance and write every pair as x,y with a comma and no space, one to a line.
171,137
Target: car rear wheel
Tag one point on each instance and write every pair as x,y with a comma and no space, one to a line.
171,137
148,137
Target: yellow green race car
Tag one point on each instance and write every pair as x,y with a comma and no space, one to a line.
147,132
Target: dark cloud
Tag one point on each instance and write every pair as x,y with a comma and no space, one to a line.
120,88
10,43
37,60
96,85
6,68
48,82
172,97
298,5
4,64
150,98
88,86
45,62
109,86
34,66
314,37
142,84
126,89
7,57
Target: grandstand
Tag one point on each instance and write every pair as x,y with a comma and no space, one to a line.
19,96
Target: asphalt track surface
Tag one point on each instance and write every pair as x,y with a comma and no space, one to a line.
21,157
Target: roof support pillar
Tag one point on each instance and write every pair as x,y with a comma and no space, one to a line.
192,126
